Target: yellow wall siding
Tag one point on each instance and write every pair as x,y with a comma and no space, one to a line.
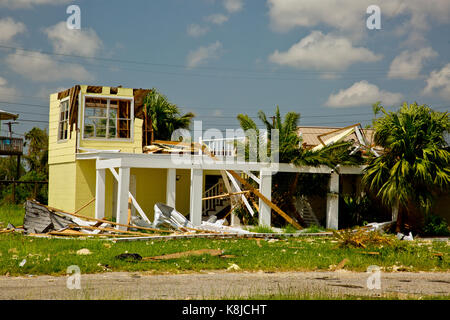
79,188
183,191
61,189
59,151
85,186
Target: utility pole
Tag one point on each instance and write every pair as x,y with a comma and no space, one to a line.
10,124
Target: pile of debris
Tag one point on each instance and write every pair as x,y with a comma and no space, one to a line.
41,220
362,238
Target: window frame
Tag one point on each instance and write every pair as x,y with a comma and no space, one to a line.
66,99
108,98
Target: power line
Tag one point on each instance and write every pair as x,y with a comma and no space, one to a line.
184,66
356,74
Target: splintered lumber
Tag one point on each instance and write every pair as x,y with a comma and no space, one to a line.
265,200
257,193
106,221
109,229
211,252
84,206
129,212
81,234
225,195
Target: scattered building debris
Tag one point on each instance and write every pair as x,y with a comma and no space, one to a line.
380,226
233,266
211,252
362,238
129,257
402,236
84,252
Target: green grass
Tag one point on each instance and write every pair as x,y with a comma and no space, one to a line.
261,229
11,214
53,256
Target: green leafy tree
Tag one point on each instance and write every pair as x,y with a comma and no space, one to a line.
37,155
165,117
291,151
415,161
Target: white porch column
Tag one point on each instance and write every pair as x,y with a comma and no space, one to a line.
100,193
123,189
265,187
333,202
171,187
196,196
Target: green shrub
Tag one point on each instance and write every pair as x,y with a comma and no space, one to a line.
435,226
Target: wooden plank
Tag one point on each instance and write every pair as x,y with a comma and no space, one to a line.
259,194
109,229
265,200
106,221
225,195
129,212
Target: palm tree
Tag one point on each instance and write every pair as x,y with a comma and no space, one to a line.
291,151
163,116
415,162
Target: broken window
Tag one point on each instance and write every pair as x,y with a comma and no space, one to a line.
107,118
63,126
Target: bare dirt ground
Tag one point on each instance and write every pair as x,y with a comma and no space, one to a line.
217,285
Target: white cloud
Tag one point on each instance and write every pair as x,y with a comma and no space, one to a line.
233,5
350,15
16,4
439,81
194,30
7,91
362,93
218,18
9,29
204,54
83,42
323,52
44,68
408,64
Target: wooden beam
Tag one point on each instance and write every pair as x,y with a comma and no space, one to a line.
226,195
259,194
265,200
105,221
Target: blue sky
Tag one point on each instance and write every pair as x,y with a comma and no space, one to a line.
219,58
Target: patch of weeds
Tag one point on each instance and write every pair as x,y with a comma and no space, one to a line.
314,229
261,229
290,229
362,238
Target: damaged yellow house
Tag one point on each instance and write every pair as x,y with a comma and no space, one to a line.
91,119
97,166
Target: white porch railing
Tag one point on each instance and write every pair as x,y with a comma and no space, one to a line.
210,204
225,147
